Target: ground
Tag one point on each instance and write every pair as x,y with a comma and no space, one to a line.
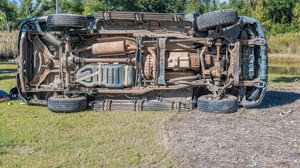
33,136
267,136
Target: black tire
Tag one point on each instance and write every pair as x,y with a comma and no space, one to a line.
58,104
66,21
224,17
226,105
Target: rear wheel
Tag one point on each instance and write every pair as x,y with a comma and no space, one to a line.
60,104
228,104
210,20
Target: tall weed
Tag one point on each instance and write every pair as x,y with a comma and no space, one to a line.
8,44
287,43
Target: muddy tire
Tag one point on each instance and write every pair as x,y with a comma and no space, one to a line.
58,104
67,21
210,20
226,105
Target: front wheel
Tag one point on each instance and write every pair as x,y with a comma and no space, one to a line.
61,104
207,103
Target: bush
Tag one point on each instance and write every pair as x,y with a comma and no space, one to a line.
287,43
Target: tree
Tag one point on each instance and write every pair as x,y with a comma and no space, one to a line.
296,12
194,6
244,9
29,8
261,13
92,6
175,6
8,16
280,11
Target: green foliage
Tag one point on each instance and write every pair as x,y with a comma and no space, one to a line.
176,6
261,13
194,6
296,11
277,16
72,6
91,6
280,11
244,9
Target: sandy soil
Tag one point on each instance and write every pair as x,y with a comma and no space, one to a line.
267,136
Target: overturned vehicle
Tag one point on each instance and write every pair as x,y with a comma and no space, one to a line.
134,61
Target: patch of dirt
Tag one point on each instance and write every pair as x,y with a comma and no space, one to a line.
266,136
24,149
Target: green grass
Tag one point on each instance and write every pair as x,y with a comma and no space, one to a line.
7,76
283,81
32,136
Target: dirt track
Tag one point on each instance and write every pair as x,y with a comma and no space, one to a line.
267,136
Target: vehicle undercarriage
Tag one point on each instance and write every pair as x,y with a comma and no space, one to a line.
142,61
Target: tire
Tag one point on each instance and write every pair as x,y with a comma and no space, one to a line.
224,17
226,105
66,21
58,104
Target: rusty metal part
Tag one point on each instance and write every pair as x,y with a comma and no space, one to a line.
185,46
20,61
161,35
117,38
81,50
66,55
108,60
171,75
186,78
201,55
234,67
120,32
154,61
47,36
178,60
209,59
218,63
139,90
115,47
46,58
195,61
148,67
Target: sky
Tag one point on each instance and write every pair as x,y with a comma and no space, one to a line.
224,1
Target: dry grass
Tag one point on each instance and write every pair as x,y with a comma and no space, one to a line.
8,44
292,58
267,136
287,43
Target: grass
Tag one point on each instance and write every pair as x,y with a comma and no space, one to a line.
7,76
32,136
287,43
286,58
283,81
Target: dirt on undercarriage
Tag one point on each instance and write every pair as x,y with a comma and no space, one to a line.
267,136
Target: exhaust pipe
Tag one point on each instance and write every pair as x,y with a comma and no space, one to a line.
47,36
